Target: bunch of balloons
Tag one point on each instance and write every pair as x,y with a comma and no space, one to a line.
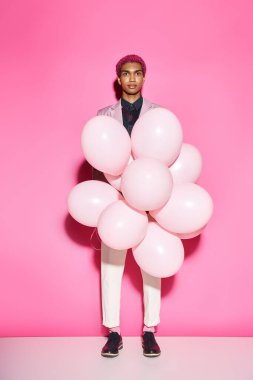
151,201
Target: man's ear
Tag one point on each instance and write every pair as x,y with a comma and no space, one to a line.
119,82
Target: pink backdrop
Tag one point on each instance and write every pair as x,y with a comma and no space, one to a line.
57,68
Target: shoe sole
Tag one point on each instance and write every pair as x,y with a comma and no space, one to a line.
110,355
151,355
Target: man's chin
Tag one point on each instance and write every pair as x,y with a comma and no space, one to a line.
132,92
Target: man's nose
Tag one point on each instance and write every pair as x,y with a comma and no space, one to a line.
132,78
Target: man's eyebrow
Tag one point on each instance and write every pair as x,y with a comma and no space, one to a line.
128,71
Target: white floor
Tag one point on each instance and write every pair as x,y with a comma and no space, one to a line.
182,358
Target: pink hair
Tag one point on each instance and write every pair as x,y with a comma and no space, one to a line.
130,58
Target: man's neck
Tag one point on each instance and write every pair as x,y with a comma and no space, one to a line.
131,98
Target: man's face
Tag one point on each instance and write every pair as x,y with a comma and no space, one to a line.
131,78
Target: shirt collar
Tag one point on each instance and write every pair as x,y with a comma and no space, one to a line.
136,105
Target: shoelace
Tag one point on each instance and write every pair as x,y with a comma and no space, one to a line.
149,339
113,338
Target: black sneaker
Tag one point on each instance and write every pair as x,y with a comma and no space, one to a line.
149,345
112,346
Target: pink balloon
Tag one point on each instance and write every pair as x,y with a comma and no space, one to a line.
187,166
157,134
188,210
146,184
88,199
106,144
160,253
190,235
122,227
115,181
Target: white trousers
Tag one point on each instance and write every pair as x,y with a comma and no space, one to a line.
112,268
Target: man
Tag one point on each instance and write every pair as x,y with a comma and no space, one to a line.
131,71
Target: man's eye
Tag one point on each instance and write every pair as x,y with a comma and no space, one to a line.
125,74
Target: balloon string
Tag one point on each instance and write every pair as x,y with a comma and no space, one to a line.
91,237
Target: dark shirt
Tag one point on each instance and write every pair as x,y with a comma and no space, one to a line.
130,113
